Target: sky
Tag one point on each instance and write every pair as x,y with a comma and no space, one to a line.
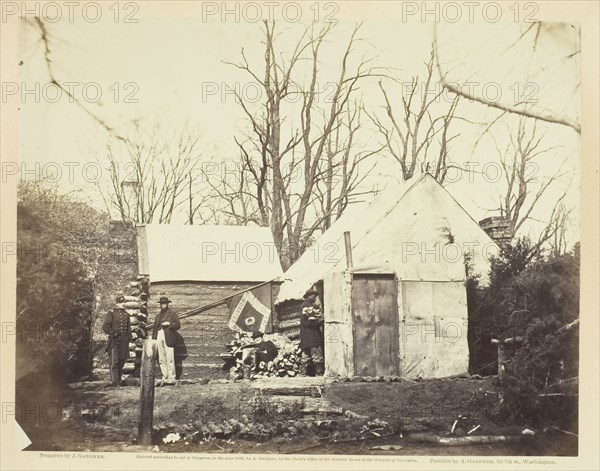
170,67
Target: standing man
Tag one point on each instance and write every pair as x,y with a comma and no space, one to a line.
117,327
311,337
165,325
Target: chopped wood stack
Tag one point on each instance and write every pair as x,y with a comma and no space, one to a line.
286,363
136,305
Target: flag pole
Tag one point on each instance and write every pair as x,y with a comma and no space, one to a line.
198,310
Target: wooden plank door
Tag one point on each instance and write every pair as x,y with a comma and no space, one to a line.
375,322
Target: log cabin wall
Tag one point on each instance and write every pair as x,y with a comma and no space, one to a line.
288,318
202,336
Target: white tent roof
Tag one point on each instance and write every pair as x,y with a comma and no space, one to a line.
169,252
414,229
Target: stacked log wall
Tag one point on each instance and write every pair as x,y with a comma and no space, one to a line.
288,318
119,268
202,336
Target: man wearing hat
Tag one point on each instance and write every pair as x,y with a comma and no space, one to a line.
256,352
118,328
311,337
165,325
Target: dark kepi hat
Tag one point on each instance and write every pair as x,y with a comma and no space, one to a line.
120,298
163,299
311,292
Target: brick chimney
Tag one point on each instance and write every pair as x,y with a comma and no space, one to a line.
498,228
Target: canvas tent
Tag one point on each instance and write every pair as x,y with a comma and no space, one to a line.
409,227
404,299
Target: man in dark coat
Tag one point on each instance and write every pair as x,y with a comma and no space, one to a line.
311,336
261,351
118,328
166,324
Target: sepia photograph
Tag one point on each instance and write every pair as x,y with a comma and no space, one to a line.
322,233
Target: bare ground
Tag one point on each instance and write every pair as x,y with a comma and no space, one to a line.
235,418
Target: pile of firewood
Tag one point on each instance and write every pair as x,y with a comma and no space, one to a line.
136,305
287,362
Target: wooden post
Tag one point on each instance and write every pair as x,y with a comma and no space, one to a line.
501,371
147,392
501,367
348,244
501,361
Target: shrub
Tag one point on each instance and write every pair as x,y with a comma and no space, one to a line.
57,259
532,297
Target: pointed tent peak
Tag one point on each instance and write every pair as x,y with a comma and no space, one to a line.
427,175
402,187
398,201
388,199
328,250
427,178
430,181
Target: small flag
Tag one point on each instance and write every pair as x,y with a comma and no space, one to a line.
251,311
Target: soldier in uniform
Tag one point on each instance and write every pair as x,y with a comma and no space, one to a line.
117,327
311,336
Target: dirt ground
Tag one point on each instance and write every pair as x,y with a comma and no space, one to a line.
377,418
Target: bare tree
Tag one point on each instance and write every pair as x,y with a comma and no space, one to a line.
230,194
47,39
283,163
153,186
536,31
409,128
342,179
521,159
152,178
555,233
197,202
525,187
